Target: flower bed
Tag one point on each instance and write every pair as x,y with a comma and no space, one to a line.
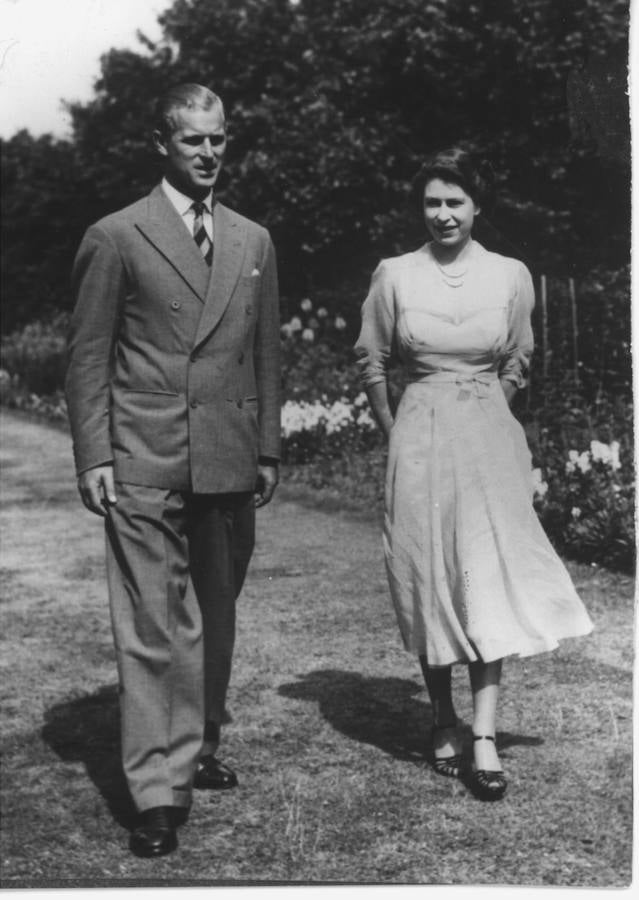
584,497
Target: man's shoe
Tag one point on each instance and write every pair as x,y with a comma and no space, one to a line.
155,833
212,775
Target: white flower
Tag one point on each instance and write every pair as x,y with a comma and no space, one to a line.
578,460
295,323
322,313
306,305
615,462
575,512
365,420
308,335
339,323
608,455
286,331
539,485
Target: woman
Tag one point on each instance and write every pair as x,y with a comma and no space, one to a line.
472,575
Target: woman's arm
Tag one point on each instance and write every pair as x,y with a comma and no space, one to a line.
375,345
519,347
378,399
509,388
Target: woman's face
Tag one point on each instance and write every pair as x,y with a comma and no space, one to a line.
449,212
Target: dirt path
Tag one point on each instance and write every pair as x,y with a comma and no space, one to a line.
330,720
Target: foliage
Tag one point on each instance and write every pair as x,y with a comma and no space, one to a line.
588,508
331,108
598,354
587,505
37,355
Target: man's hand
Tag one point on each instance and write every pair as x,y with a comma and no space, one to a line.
267,479
97,489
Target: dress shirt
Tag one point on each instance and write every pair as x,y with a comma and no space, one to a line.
184,208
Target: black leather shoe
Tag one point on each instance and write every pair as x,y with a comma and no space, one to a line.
154,834
212,775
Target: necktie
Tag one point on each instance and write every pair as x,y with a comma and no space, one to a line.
199,233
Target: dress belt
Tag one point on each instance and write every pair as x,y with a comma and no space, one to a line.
479,384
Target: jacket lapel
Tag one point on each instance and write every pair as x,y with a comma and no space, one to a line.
229,242
163,228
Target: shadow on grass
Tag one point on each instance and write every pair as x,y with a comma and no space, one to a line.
87,730
383,712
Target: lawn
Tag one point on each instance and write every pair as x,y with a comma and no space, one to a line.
330,720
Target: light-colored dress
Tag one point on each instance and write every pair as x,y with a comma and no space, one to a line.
471,572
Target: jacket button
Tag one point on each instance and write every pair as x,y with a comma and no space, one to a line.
175,304
193,404
240,404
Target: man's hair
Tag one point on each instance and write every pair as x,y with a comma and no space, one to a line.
184,96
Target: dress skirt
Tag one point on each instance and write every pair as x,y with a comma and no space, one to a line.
471,572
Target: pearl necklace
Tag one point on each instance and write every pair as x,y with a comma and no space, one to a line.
452,279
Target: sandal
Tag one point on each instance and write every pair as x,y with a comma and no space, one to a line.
487,784
450,766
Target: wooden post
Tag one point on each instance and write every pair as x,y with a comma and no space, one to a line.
544,327
575,328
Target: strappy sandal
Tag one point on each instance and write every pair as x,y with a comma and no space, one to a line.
487,784
450,766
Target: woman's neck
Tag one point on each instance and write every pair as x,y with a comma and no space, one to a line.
447,255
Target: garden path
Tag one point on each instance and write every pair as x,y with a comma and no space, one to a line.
329,718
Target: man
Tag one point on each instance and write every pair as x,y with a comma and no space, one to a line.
173,395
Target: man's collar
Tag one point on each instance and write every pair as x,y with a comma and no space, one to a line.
181,202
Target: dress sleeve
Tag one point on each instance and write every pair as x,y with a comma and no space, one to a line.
519,347
375,344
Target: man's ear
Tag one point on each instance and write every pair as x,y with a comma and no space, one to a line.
159,143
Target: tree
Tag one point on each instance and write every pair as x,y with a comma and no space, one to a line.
332,106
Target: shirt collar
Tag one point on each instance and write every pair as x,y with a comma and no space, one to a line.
181,202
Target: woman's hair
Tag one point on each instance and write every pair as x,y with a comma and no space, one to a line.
457,166
184,96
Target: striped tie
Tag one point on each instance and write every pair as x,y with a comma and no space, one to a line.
199,233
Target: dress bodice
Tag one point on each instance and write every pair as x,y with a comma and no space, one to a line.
412,315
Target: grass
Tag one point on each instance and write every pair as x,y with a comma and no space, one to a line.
330,720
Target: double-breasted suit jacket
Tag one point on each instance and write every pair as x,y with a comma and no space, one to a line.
174,367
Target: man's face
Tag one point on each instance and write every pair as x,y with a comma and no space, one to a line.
194,151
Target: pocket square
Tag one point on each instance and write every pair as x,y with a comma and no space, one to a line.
255,272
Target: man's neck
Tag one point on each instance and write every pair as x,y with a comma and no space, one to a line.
192,193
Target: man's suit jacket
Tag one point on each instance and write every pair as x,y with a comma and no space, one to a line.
174,367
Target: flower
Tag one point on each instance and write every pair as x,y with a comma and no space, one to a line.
306,305
539,485
575,512
608,455
339,323
579,461
286,331
308,335
322,313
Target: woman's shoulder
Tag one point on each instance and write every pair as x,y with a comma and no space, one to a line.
411,260
499,260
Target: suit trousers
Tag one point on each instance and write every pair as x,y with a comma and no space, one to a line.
176,562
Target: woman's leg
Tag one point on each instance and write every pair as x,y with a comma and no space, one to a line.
446,743
484,682
438,684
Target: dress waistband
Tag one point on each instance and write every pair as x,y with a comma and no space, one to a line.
478,384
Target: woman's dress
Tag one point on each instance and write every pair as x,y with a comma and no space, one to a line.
471,572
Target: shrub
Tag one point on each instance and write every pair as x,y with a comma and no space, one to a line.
35,358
